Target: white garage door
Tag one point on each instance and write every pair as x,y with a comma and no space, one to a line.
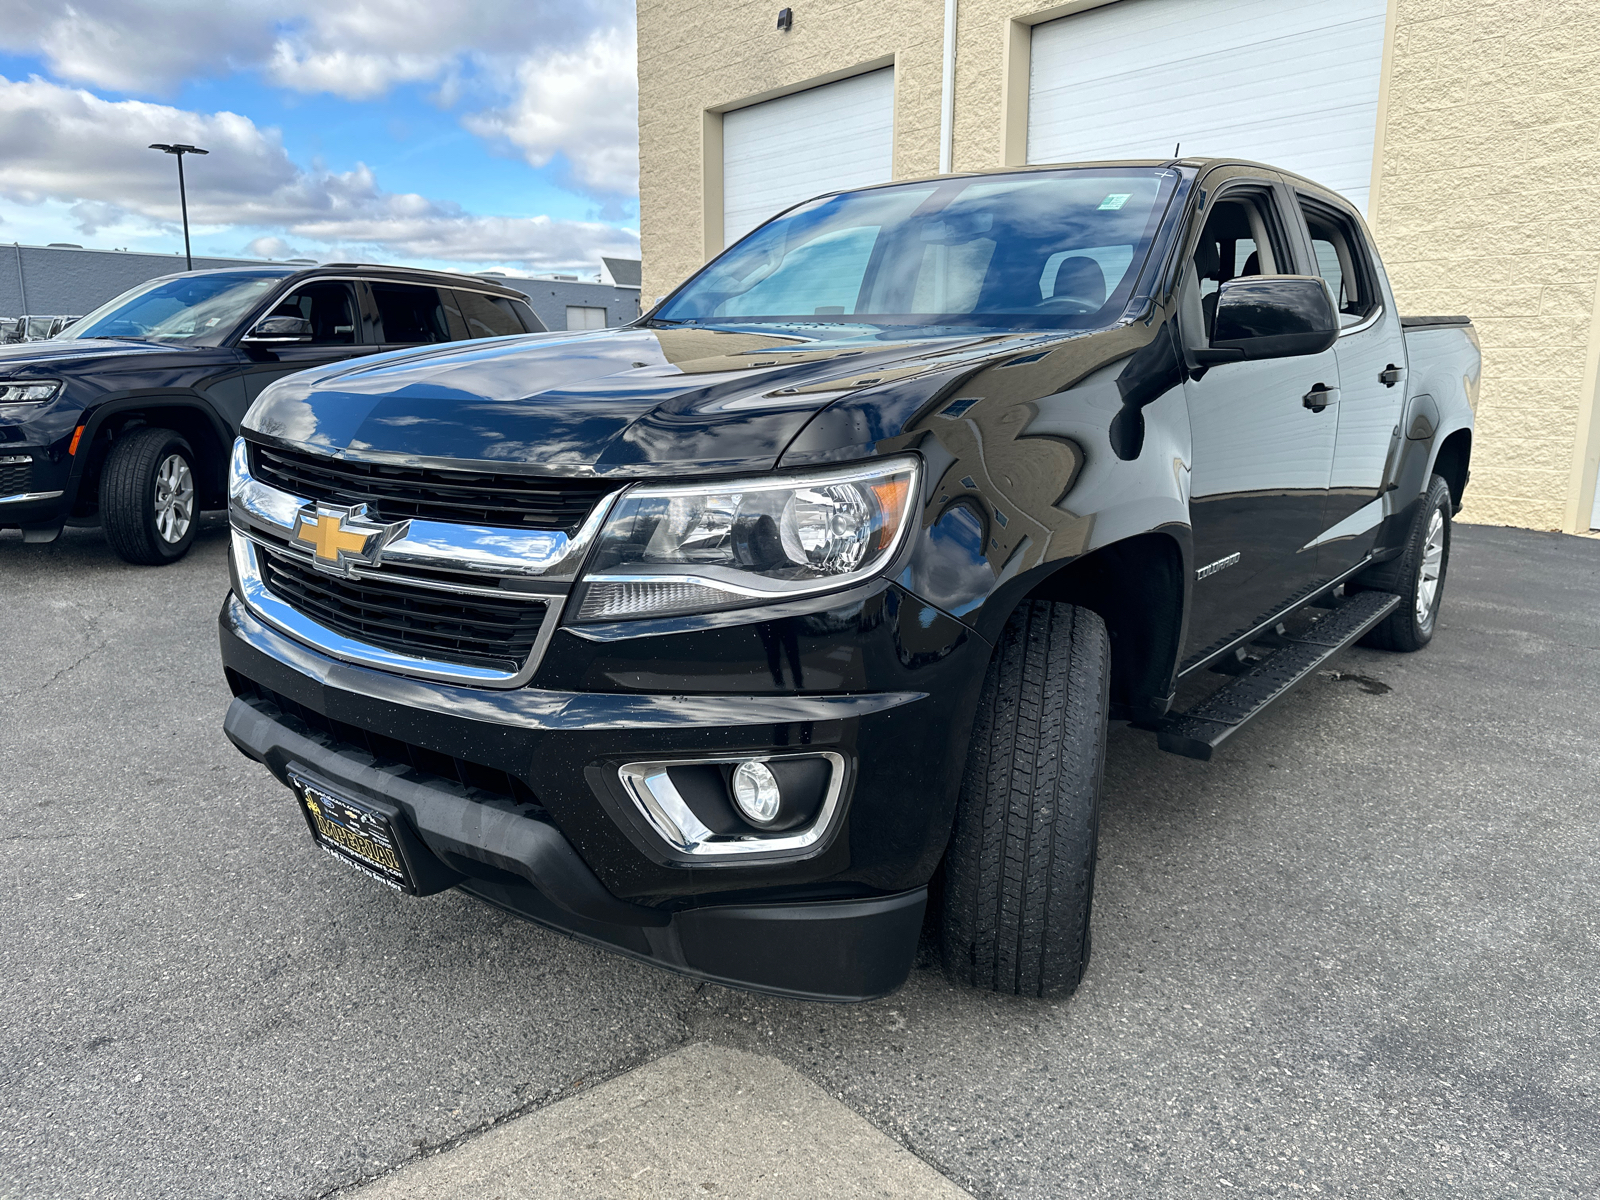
779,152
1294,85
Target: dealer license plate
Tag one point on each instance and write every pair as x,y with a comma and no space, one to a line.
354,833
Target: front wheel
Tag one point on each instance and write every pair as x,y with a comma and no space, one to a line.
1019,873
148,504
1417,576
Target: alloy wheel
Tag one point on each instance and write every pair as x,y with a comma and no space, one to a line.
1432,568
174,499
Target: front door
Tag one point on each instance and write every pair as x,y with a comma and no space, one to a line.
1260,456
330,306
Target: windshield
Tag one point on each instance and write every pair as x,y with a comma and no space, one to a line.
1051,249
187,308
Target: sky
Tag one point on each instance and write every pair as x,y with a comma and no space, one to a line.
490,135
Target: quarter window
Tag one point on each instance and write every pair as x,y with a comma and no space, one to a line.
487,316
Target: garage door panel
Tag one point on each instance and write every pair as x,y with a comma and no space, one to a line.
780,152
1292,85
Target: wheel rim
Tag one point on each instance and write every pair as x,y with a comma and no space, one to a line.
1432,568
174,499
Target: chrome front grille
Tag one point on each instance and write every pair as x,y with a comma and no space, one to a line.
470,629
394,493
458,602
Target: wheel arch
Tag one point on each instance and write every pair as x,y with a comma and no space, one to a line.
1453,461
1139,587
186,414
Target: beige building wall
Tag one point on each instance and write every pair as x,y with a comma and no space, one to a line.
1487,202
1486,193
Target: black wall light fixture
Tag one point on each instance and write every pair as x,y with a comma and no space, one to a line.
785,20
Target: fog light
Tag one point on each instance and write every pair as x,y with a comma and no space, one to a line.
755,791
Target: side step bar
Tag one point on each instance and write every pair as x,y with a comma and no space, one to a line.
1196,733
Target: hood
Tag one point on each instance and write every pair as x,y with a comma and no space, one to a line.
55,356
621,402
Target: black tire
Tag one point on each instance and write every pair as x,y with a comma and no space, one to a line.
1019,873
145,520
1410,627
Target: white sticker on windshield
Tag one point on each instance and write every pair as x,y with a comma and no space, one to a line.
1116,200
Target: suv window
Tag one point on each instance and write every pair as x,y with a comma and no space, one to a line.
1242,236
331,309
1341,260
410,314
487,316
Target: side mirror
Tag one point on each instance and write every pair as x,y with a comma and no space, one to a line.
1271,316
280,329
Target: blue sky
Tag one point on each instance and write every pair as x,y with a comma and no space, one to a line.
503,136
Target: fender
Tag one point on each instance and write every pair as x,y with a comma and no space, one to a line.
93,419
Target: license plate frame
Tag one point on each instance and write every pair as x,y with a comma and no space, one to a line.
354,831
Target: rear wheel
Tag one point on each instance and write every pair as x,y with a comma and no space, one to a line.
1417,576
1019,873
148,504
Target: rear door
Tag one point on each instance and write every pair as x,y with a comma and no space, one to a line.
1371,353
331,308
1260,457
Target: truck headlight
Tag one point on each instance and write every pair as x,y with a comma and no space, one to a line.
28,391
670,548
238,468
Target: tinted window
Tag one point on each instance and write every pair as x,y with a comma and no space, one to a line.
1242,236
410,314
1057,248
487,316
331,309
1341,261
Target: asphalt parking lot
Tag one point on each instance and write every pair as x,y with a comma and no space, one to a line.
1357,955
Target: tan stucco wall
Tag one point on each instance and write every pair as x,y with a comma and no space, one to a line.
1488,203
1487,197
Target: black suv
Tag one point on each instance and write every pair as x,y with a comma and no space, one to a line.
127,416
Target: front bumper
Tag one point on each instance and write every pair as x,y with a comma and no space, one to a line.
839,924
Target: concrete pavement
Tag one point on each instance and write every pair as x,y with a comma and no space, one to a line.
1353,956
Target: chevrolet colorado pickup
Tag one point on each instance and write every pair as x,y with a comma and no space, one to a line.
739,638
125,418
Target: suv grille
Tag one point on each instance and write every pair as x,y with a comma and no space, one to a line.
457,497
473,630
14,477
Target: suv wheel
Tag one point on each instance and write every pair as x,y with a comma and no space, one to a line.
1019,873
148,505
1417,576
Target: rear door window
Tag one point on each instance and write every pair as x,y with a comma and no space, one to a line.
410,314
487,316
1341,261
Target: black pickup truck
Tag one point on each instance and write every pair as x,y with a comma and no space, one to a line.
125,418
728,638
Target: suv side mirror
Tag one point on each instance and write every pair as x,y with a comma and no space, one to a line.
1271,316
280,329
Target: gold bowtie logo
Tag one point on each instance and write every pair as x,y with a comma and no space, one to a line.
338,537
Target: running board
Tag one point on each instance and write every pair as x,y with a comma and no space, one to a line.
1196,733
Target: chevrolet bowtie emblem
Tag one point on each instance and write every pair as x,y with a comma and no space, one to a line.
340,537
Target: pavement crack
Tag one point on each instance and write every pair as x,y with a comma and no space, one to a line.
62,673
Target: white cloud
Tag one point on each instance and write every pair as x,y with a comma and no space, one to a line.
583,103
557,77
67,145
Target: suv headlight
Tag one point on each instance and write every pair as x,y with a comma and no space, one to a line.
28,391
670,548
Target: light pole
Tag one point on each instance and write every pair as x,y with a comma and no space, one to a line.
179,150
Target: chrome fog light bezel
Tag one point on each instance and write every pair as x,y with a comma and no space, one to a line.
674,823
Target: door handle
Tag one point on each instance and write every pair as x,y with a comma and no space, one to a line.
1320,396
1391,375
